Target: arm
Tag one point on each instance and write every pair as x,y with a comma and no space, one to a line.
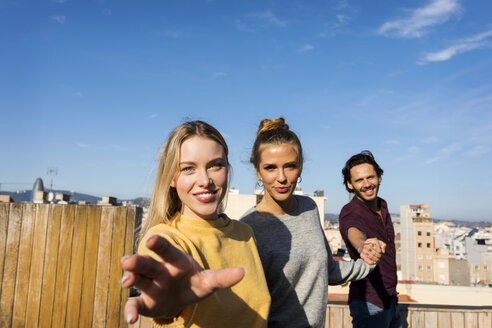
168,286
340,272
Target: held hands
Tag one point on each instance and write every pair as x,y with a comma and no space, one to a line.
371,250
167,287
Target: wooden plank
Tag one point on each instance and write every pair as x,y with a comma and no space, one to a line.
24,265
10,265
63,267
347,319
76,266
37,264
117,251
50,264
471,319
444,319
90,266
430,319
417,318
485,319
129,249
4,223
336,315
103,267
457,320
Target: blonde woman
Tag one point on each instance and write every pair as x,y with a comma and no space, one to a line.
195,267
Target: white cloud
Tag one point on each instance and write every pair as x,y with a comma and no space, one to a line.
415,26
477,151
172,34
218,74
59,18
78,94
393,142
264,19
268,18
305,48
342,19
474,42
83,145
153,116
107,12
59,1
431,139
445,153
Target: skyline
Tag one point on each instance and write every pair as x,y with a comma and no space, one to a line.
94,88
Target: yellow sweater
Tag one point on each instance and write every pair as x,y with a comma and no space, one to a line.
218,244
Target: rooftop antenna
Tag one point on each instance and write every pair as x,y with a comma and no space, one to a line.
52,171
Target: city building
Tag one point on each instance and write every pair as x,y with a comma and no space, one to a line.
416,243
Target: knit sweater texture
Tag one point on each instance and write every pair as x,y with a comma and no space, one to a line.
299,265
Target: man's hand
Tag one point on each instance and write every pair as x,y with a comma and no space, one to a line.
371,250
167,287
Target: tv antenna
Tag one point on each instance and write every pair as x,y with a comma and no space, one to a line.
52,171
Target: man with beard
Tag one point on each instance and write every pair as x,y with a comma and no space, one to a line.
373,301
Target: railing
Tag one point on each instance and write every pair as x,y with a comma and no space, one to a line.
60,264
421,316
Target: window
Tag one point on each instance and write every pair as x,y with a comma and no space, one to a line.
429,257
429,268
428,234
485,268
442,265
420,257
441,278
419,233
428,245
421,268
477,267
419,245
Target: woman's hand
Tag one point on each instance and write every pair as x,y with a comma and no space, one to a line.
167,287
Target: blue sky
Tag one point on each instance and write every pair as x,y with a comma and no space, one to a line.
94,87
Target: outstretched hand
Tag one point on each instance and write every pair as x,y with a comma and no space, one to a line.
372,250
167,287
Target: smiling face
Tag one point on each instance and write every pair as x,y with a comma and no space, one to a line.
364,181
278,169
201,181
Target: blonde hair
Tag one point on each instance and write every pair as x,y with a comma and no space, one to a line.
274,131
165,202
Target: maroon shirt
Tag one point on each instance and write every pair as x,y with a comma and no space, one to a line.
379,287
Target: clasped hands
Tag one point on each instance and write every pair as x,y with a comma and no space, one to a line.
372,250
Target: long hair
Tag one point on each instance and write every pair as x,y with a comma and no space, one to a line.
165,202
275,131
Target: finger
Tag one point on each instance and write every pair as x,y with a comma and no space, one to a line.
143,265
225,278
165,249
383,246
131,310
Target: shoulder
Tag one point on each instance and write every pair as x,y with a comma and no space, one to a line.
251,216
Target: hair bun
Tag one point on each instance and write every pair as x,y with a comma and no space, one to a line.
272,124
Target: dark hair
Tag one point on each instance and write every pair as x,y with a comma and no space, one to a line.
274,131
364,157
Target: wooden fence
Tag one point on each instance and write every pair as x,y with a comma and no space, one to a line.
421,316
60,264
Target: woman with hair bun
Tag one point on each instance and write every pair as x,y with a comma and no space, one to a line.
296,257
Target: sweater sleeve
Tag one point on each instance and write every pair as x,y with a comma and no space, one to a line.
340,272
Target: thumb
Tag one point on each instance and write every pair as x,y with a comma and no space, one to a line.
224,278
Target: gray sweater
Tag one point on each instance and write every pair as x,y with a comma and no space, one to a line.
298,264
